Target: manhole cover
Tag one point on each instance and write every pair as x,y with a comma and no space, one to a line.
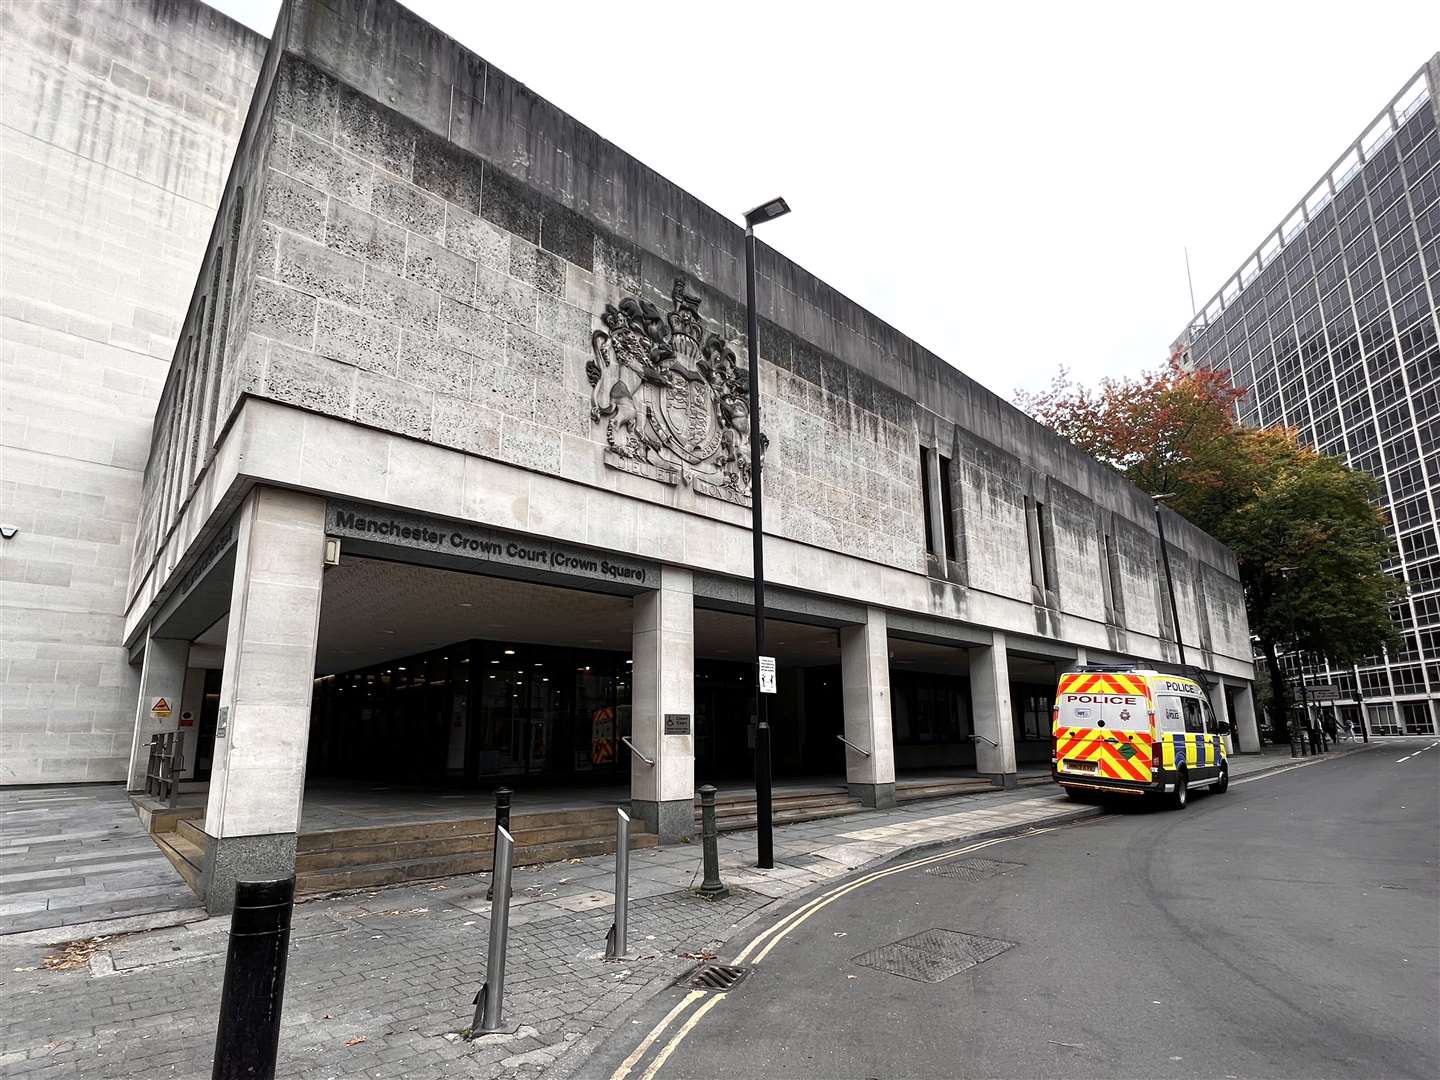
932,956
973,869
713,977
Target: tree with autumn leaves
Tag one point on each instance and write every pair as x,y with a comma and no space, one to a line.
1304,527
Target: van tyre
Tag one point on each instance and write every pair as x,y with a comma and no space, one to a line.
1223,784
1181,795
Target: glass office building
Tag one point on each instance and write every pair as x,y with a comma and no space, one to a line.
1332,326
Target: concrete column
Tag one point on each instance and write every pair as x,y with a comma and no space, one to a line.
1221,708
1246,730
662,683
994,718
162,676
1082,657
257,780
865,686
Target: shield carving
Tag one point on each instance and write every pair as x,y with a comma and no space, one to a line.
689,423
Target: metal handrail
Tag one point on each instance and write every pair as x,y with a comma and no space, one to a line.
982,738
648,761
852,746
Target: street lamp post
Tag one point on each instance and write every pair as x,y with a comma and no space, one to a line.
765,839
1169,581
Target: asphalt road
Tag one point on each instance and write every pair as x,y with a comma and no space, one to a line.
1288,928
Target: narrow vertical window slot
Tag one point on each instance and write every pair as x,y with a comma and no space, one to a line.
947,509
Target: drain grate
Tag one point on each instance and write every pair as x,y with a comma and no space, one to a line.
973,869
933,956
713,977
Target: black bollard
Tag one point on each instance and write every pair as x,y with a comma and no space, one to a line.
247,1037
711,888
502,821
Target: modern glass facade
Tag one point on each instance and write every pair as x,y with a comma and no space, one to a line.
1332,326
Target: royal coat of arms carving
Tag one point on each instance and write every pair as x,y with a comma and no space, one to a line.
673,401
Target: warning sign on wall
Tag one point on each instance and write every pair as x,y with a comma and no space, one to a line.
161,709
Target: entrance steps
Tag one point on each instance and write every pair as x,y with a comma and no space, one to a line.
736,810
367,857
184,847
945,788
158,816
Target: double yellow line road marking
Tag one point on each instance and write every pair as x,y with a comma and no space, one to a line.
659,1029
764,943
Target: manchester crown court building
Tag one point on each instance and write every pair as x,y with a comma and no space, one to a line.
448,486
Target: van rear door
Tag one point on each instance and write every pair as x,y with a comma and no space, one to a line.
1102,727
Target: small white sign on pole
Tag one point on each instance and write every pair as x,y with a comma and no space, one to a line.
767,675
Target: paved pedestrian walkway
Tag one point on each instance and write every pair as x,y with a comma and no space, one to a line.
381,982
78,853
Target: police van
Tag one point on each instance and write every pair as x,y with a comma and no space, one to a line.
1121,731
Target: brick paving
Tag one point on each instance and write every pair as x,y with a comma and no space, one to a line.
381,982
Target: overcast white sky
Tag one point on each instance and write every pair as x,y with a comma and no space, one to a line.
1012,185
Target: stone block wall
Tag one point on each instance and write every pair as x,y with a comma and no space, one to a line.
117,124
406,285
426,247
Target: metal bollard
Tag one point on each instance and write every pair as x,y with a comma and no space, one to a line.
488,1001
615,940
712,888
247,1037
502,821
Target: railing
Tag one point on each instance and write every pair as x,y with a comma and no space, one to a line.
858,749
982,738
162,771
647,760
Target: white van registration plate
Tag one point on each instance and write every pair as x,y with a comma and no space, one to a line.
1081,766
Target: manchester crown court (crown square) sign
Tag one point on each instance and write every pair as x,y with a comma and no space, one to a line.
671,397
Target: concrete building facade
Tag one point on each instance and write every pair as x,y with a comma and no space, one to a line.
117,126
1333,328
450,479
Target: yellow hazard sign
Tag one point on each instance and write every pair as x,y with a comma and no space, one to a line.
161,709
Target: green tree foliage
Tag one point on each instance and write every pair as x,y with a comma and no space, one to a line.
1304,528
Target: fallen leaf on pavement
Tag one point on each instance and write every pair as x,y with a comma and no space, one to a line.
356,1041
72,955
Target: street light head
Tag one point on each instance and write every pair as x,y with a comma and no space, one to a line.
1162,498
769,211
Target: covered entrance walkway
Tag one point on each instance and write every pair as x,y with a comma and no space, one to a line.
430,663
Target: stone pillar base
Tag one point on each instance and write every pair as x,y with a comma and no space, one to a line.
673,819
242,858
1003,780
880,796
